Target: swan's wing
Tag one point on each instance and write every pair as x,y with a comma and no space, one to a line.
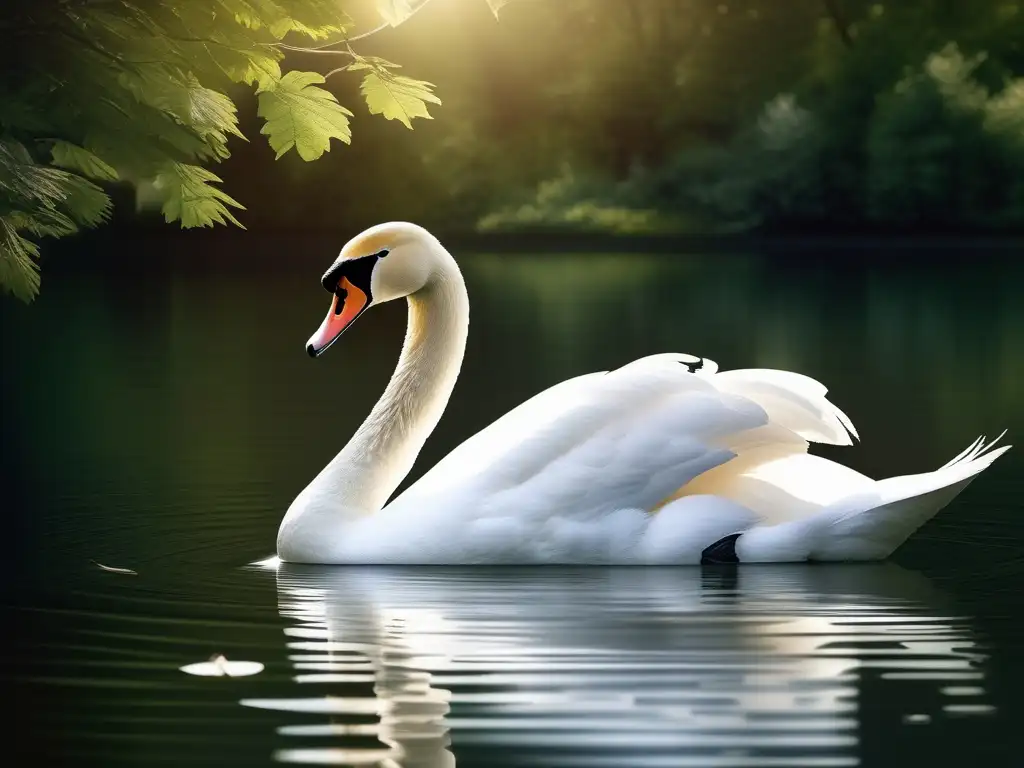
771,476
562,415
628,438
495,442
793,401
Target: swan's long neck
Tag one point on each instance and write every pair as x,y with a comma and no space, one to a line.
383,449
359,480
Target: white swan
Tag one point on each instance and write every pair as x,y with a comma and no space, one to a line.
665,460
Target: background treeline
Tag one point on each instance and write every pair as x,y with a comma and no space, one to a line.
621,116
692,115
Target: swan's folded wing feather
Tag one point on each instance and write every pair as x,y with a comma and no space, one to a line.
594,444
488,446
612,470
793,401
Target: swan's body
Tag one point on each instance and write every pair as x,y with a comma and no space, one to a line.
663,461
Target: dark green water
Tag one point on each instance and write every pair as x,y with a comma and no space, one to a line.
160,414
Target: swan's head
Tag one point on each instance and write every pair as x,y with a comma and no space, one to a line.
388,261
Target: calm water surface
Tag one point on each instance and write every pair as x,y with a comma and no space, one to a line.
160,414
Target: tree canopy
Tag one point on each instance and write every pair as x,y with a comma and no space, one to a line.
141,91
741,114
614,115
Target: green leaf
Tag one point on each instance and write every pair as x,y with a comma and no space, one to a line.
259,68
73,157
300,115
319,32
152,83
395,96
55,202
209,114
19,272
207,110
497,5
43,222
255,14
157,101
371,62
190,198
22,178
84,202
394,12
317,19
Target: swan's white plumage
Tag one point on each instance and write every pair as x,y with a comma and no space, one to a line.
593,445
872,523
579,473
793,401
649,463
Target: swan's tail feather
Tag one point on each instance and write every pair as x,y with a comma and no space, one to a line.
873,528
871,524
964,453
974,450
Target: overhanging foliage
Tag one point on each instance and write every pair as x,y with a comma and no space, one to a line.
96,91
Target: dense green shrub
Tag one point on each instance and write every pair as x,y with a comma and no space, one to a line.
576,202
944,151
936,147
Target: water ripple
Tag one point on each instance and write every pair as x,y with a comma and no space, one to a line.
578,667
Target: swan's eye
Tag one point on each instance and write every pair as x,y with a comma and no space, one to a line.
382,254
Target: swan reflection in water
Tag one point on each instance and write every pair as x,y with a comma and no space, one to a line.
647,667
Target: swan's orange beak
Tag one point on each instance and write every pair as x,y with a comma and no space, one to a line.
349,303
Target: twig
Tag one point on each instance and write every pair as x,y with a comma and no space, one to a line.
319,51
323,48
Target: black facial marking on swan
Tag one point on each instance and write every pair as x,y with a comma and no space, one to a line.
722,552
342,294
695,366
358,271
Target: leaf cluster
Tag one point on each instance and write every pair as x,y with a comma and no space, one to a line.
99,92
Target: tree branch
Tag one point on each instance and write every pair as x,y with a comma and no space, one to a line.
318,51
325,47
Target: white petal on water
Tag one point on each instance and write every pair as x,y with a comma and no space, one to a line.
112,569
219,666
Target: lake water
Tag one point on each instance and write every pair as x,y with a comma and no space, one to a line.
160,413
